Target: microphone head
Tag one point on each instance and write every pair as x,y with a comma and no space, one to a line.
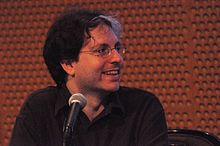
78,97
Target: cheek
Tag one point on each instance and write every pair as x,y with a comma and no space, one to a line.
89,67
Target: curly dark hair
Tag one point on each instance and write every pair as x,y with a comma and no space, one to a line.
66,37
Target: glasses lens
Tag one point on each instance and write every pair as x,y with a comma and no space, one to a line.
121,50
103,50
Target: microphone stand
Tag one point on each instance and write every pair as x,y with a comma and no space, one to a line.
70,124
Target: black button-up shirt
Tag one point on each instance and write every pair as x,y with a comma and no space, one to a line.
131,117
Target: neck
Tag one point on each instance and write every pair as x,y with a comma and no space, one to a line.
93,107
94,104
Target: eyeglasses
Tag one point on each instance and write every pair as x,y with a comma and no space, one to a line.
105,50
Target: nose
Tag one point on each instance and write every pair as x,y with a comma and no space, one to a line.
116,57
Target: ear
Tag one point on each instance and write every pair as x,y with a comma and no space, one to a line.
69,68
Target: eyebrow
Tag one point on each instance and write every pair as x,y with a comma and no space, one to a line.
104,44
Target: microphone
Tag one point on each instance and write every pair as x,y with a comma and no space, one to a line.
76,102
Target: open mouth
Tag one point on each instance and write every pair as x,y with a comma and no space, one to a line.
112,72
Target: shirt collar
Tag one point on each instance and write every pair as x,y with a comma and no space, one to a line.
112,104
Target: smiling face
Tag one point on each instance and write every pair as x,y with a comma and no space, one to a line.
96,73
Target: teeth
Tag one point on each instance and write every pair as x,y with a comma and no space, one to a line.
111,72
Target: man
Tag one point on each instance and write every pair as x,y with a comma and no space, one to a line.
83,53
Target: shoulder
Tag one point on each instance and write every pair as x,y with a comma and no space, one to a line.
43,95
135,91
128,93
133,98
40,99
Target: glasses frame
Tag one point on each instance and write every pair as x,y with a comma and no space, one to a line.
110,50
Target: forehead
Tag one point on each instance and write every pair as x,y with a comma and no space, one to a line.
100,35
102,31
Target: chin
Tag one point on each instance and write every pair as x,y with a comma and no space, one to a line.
112,88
